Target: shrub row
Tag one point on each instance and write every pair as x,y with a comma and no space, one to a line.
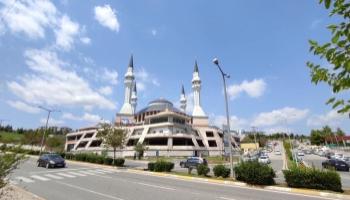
160,166
94,158
253,172
221,170
84,157
312,178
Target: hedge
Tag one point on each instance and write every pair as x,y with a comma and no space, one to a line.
253,172
221,170
160,166
203,170
312,178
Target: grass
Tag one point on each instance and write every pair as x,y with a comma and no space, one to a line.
7,137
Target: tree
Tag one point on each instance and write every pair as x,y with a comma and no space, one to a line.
140,149
316,137
55,142
337,73
112,137
339,133
8,162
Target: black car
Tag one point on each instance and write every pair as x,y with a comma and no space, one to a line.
193,162
51,160
338,165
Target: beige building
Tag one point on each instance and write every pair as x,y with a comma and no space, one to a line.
163,128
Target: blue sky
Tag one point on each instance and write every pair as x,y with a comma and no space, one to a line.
72,56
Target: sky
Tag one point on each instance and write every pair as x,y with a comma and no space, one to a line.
72,56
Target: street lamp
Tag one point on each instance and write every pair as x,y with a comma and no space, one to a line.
224,76
49,111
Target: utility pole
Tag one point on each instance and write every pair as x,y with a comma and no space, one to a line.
254,132
49,111
224,76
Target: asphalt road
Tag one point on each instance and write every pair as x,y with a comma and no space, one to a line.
80,182
316,161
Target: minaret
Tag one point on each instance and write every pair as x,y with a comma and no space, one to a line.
196,87
128,82
134,99
183,100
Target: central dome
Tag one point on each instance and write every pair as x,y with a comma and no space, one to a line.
159,105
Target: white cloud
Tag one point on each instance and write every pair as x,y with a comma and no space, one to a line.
28,17
52,84
86,117
19,105
332,118
106,90
111,76
52,121
255,88
235,122
285,115
85,40
143,79
34,17
154,32
67,30
106,16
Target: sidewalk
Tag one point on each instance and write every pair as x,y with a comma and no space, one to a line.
12,192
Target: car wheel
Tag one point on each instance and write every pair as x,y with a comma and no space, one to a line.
39,164
47,166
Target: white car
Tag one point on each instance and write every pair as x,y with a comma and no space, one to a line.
300,154
277,152
264,160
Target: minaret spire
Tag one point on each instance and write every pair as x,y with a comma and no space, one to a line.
128,83
196,87
183,100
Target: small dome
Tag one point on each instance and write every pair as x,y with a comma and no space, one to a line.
159,105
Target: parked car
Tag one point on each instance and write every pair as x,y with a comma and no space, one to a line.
193,162
329,155
277,152
51,160
338,165
264,160
346,159
300,154
337,156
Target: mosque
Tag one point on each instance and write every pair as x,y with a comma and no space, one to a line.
164,129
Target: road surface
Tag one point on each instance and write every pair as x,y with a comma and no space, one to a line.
82,182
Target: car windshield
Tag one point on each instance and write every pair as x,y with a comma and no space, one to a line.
53,156
263,157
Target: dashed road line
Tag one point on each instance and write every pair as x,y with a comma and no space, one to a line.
24,179
39,178
53,176
66,175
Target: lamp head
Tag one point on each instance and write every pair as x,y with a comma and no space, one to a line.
216,61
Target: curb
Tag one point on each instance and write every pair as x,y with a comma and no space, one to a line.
221,182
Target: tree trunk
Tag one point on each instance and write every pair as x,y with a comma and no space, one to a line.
114,150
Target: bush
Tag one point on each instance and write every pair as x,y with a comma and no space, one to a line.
313,178
161,166
119,162
253,172
108,161
151,166
202,170
221,170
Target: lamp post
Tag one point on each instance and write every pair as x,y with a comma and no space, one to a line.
49,111
224,76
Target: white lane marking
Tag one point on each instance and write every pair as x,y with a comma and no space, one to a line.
156,186
39,178
58,170
66,175
88,173
226,198
95,171
53,176
88,190
76,173
24,179
106,171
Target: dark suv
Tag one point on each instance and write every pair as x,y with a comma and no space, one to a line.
338,165
51,160
193,162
